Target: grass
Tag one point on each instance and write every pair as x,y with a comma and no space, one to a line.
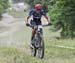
53,54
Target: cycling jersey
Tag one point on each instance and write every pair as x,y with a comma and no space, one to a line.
37,16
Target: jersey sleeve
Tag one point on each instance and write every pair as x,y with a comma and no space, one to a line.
31,12
43,12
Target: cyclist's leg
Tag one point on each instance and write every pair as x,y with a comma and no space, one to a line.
33,23
32,36
33,32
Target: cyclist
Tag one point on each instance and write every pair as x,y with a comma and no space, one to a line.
37,13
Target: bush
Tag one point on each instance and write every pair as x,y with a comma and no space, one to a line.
3,5
63,12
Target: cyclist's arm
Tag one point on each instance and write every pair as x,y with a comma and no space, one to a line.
47,18
44,14
28,18
30,14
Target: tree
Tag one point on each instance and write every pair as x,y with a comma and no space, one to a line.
63,12
3,5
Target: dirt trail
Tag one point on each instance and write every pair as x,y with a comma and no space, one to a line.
8,29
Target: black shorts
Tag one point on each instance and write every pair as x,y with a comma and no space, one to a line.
35,23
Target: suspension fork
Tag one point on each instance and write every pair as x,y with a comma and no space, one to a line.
40,34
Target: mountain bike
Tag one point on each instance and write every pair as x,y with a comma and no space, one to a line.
38,43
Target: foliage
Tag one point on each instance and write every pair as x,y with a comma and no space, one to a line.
63,12
3,5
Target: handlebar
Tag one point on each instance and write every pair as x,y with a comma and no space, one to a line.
29,25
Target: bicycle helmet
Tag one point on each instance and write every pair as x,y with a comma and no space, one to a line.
38,6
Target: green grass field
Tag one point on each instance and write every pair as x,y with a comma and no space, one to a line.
56,51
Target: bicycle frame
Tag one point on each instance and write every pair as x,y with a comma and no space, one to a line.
38,36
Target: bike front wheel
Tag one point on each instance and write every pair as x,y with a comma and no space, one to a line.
33,52
41,50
